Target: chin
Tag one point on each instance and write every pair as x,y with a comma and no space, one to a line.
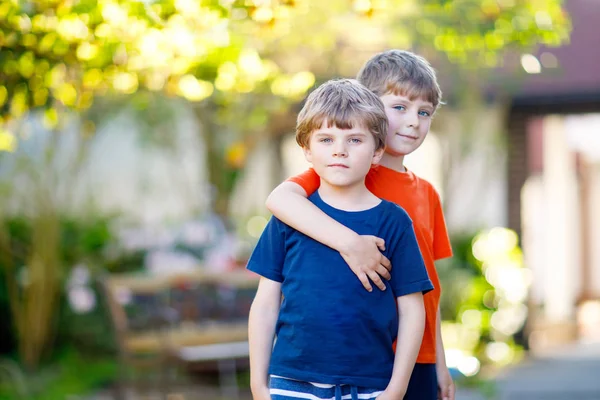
339,182
403,148
394,152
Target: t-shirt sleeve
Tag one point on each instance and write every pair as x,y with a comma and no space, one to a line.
409,274
441,242
309,180
269,254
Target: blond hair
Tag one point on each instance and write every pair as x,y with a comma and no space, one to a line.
401,73
345,104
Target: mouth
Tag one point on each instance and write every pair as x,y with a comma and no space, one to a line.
407,136
338,166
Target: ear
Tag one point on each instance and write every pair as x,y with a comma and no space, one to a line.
308,154
377,155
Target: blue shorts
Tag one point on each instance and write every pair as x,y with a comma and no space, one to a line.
423,383
289,389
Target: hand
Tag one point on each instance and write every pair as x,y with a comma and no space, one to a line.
446,388
364,258
261,393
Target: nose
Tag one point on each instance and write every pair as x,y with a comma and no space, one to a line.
339,150
412,119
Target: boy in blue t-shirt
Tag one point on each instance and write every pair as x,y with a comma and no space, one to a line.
334,340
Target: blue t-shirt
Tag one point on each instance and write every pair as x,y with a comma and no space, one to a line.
330,329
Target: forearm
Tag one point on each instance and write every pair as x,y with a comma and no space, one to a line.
445,383
261,332
288,202
440,353
410,335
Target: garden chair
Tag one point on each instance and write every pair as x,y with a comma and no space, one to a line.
196,318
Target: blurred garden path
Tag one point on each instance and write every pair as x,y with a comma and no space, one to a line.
569,373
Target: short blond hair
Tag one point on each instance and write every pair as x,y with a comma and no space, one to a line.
402,73
343,103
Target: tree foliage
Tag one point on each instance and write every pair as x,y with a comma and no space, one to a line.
63,53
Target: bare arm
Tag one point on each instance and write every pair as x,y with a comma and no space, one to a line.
362,253
446,388
261,332
410,335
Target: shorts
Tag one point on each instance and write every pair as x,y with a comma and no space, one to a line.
289,389
423,383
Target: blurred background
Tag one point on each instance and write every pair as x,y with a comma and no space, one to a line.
140,139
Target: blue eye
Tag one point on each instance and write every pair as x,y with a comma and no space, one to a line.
325,140
399,108
424,113
355,140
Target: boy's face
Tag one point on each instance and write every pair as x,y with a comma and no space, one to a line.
409,122
342,157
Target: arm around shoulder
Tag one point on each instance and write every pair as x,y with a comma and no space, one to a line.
279,199
288,202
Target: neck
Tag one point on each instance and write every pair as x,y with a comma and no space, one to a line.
348,198
393,162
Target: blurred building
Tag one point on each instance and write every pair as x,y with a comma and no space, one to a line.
553,132
529,159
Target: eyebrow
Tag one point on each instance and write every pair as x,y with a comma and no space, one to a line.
357,134
332,134
408,100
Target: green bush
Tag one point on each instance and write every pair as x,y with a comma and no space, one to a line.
71,373
82,351
483,298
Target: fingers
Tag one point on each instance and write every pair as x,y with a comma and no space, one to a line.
386,263
380,243
365,281
442,392
451,391
383,272
446,393
377,280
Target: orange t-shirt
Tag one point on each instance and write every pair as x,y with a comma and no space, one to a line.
422,203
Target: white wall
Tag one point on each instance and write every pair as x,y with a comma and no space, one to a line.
594,224
562,234
533,236
583,135
473,173
121,173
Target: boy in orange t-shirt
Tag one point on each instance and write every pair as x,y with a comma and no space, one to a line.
408,87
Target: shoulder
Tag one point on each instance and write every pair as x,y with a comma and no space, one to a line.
275,225
393,213
425,186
